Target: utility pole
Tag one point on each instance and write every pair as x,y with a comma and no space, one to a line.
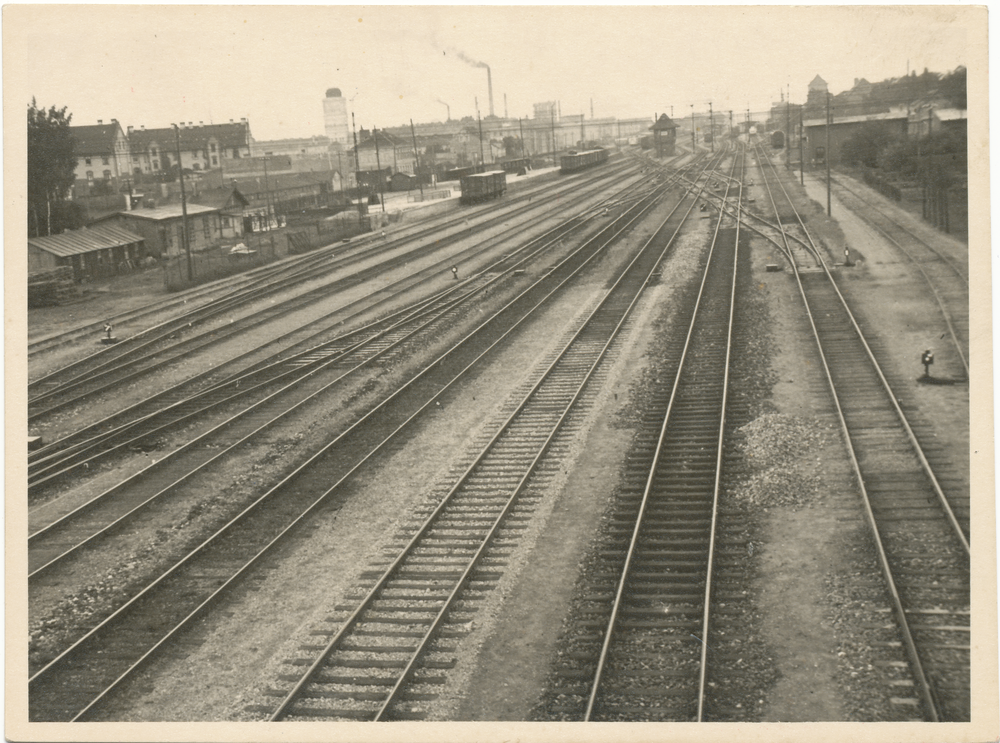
482,156
788,134
711,124
378,164
357,174
184,210
694,140
828,197
552,121
267,192
416,158
802,139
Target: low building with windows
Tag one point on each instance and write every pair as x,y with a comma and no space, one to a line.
162,227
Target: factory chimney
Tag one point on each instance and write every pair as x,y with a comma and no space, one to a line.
489,84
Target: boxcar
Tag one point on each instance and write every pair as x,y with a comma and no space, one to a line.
483,186
517,165
576,161
456,174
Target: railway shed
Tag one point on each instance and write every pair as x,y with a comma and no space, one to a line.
92,252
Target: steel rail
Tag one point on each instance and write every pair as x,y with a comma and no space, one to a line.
293,363
429,633
239,297
946,315
893,399
620,590
957,268
427,315
399,286
108,622
924,687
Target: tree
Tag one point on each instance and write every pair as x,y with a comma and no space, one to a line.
51,168
865,147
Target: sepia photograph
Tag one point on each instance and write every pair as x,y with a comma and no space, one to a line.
498,373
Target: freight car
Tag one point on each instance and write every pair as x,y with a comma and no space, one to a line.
456,174
483,186
516,166
576,161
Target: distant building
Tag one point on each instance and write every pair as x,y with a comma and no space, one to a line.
102,154
392,152
202,147
335,117
547,110
664,136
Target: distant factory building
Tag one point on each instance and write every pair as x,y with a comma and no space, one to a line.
335,117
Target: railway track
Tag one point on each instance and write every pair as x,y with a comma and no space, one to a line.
287,386
945,276
100,660
639,647
170,341
384,651
920,530
180,405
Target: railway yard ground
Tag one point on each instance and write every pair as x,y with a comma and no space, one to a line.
805,626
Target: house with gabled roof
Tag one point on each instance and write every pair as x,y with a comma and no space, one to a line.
102,153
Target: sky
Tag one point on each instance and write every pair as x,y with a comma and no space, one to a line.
156,65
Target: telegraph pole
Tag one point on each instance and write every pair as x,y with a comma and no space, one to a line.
378,164
184,209
711,124
357,173
482,156
802,139
416,158
828,202
788,134
694,140
552,121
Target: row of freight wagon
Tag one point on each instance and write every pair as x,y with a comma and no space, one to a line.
477,187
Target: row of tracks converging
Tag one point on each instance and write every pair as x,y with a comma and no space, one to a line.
312,357
178,338
919,520
641,650
262,398
75,683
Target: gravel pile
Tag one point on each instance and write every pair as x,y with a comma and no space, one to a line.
777,450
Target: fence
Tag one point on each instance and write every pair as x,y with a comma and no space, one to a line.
262,248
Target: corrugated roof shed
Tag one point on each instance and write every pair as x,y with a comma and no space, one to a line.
75,242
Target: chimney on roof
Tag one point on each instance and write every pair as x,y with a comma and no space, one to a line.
130,129
142,127
201,123
231,121
114,121
100,121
